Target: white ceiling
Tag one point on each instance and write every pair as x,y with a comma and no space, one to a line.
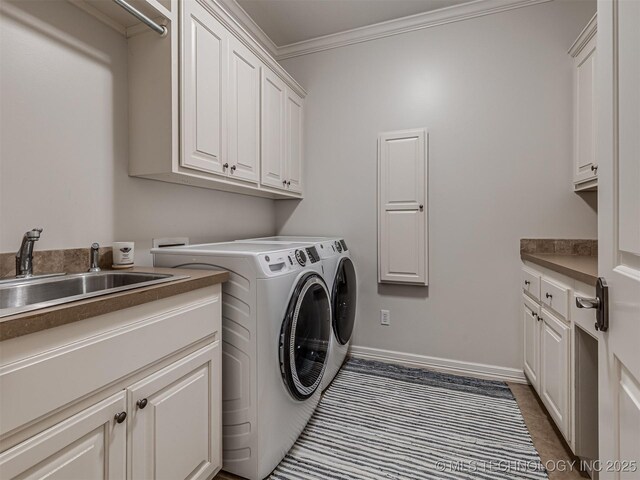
291,21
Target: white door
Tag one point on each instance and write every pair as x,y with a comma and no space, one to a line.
90,445
402,219
293,133
531,342
585,139
175,419
244,112
204,49
619,235
554,369
273,126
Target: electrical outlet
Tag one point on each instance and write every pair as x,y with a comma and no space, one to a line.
385,317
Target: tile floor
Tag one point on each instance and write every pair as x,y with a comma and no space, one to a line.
545,438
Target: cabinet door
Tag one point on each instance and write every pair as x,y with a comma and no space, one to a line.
273,127
531,344
585,114
554,372
244,112
204,47
90,445
175,419
293,135
402,219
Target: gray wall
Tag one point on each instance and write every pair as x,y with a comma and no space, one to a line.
495,94
64,137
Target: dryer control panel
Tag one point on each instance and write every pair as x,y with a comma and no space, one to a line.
286,261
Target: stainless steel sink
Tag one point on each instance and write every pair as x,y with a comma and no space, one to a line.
22,295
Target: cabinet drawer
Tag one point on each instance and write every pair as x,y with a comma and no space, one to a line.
555,296
531,283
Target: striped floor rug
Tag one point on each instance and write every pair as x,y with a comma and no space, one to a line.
381,421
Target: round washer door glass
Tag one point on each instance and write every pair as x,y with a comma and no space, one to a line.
344,300
304,340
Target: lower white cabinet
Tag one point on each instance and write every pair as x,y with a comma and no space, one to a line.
547,345
175,419
90,446
554,369
532,327
159,419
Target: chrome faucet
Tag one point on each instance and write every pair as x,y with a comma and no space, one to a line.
95,249
24,257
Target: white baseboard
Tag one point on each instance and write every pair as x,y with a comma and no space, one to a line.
455,367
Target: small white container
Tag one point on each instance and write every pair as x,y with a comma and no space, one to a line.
123,254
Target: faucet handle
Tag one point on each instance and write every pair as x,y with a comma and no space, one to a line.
34,234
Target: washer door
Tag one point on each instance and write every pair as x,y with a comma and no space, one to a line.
305,335
344,300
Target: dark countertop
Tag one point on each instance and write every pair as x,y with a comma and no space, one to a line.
581,267
37,320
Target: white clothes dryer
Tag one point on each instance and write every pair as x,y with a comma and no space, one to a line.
340,276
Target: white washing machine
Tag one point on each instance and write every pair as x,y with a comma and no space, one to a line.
340,275
276,333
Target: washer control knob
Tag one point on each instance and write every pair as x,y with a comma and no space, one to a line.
338,247
301,258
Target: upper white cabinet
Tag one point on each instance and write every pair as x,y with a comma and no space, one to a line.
293,141
243,112
274,93
204,68
211,108
402,215
585,164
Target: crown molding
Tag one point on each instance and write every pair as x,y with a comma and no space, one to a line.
442,16
242,17
587,34
398,26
